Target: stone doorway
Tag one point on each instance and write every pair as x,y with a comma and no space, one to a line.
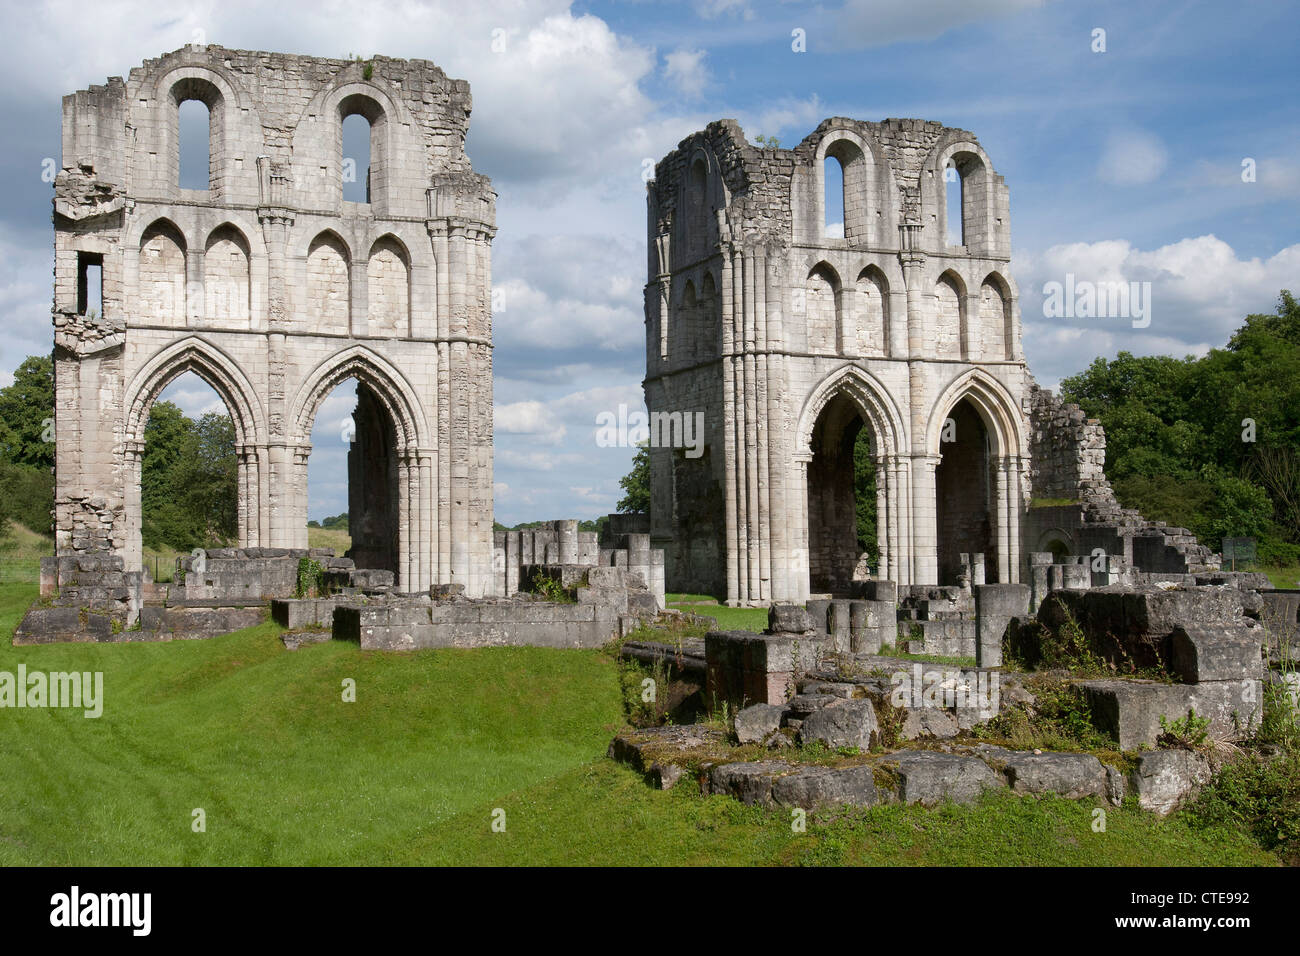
964,494
843,533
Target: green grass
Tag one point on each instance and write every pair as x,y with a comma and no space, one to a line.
728,618
1284,577
288,773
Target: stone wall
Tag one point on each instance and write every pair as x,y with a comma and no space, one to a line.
890,318
273,289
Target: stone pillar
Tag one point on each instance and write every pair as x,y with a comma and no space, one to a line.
132,456
995,606
925,532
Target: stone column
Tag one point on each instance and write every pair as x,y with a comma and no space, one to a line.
132,456
925,532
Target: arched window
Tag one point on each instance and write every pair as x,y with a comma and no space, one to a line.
833,199
362,151
356,158
952,187
194,125
846,183
697,210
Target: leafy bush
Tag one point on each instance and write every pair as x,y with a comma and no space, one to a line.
1260,795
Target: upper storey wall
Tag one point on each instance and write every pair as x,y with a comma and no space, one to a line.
894,191
276,131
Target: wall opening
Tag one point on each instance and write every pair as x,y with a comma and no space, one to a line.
843,531
352,478
833,197
189,475
90,283
194,136
963,484
356,158
952,189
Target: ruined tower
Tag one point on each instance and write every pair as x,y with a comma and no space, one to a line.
273,288
791,338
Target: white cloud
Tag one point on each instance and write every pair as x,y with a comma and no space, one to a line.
686,71
1200,292
529,418
1132,158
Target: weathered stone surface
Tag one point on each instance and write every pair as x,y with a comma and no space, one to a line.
755,723
788,619
1216,653
1070,775
921,723
750,782
1162,779
1130,710
841,723
815,787
928,777
645,747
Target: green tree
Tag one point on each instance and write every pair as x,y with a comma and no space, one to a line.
636,484
27,414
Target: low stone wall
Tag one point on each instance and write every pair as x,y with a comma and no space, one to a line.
560,543
484,623
246,573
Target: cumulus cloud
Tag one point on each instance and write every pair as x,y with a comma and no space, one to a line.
685,70
1200,291
1132,158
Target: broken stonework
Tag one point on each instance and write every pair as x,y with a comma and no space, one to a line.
1165,778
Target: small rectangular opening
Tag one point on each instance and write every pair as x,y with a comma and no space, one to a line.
90,283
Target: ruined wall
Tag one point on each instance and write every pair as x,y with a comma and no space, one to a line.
274,289
889,317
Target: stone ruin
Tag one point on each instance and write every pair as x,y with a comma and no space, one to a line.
273,288
995,520
790,340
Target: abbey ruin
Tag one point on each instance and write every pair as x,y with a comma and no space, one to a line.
786,339
790,339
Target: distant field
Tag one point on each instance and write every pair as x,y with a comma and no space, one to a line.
339,540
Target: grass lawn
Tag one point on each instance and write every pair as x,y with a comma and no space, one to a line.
287,773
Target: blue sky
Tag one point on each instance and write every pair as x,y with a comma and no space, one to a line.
1125,164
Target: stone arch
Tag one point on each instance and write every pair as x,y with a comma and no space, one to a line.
377,373
1058,541
223,374
872,399
978,194
396,155
233,119
700,194
831,423
388,288
227,276
215,367
869,191
822,311
995,406
871,332
950,318
161,284
996,319
329,284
